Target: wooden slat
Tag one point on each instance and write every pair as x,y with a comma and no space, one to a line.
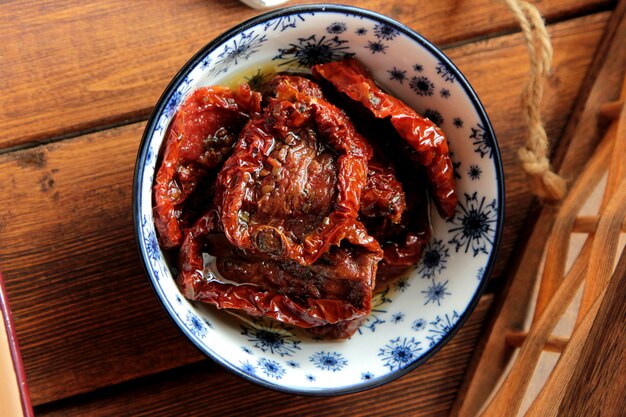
84,313
571,362
599,381
589,224
71,66
578,142
497,69
200,390
553,343
612,109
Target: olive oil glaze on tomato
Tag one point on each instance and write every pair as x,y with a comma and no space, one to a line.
295,198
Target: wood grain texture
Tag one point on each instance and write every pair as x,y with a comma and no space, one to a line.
84,312
601,372
596,257
574,149
497,69
203,390
598,384
70,66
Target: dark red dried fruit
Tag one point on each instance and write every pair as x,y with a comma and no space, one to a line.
351,78
294,208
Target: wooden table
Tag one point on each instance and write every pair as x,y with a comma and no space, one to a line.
78,80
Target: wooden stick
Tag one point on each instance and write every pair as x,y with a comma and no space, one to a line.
577,143
617,170
617,174
558,242
550,398
611,110
553,344
509,397
589,224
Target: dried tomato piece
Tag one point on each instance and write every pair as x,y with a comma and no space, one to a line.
394,201
403,242
287,201
292,187
351,78
403,230
199,139
382,195
336,290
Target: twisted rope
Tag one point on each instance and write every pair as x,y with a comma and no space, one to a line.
544,182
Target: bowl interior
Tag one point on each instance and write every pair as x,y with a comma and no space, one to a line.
415,315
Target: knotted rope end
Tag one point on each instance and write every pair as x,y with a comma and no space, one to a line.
543,182
550,187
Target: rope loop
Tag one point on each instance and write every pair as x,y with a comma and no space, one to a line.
544,182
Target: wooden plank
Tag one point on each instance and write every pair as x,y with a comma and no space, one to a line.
70,66
85,314
599,381
200,390
596,257
78,290
574,149
498,76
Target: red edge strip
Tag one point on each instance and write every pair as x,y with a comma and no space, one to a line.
18,365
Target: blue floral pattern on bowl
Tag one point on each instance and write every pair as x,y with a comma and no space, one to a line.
414,316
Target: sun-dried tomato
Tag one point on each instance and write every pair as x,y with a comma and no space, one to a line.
382,195
301,220
402,242
292,187
332,292
351,78
199,139
398,220
287,200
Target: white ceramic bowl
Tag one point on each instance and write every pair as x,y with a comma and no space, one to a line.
417,314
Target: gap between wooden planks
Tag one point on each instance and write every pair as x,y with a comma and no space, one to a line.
71,66
84,312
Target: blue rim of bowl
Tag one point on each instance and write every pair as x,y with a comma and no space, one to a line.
149,131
